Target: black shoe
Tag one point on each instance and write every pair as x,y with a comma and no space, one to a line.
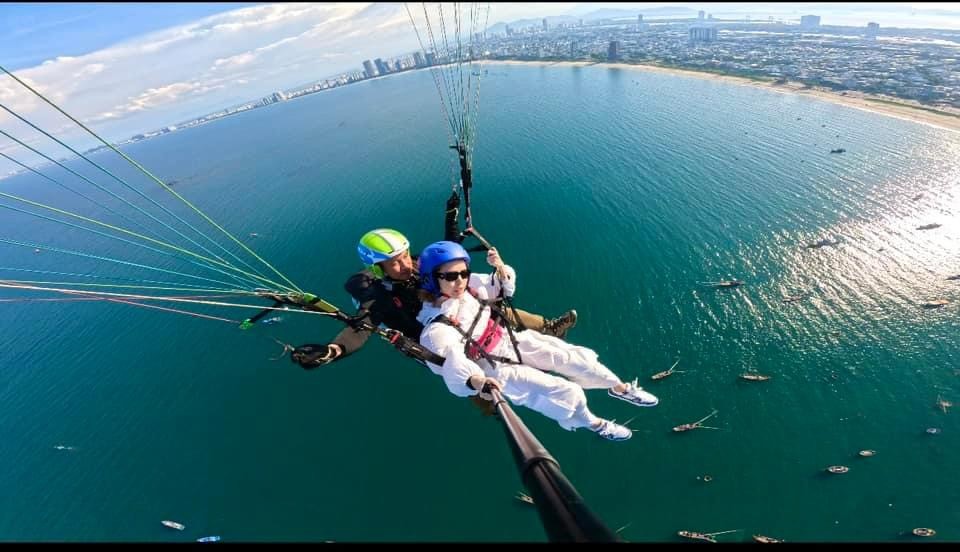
558,327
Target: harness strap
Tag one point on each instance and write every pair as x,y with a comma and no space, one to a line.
472,344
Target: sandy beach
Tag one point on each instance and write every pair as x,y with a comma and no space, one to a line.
883,105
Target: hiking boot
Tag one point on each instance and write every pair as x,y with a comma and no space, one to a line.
558,326
613,431
635,395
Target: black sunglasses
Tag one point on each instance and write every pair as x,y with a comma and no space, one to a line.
453,276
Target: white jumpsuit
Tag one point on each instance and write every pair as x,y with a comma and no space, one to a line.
526,384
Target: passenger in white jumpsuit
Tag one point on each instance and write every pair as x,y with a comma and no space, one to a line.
445,273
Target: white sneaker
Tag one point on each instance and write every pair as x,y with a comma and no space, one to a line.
613,431
635,395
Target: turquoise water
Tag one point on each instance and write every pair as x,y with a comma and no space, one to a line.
611,191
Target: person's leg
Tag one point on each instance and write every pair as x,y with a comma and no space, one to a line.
552,396
579,364
530,321
557,327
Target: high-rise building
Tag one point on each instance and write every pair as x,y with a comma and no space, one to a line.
872,30
418,59
368,69
397,66
431,59
703,33
544,23
613,52
701,14
810,22
381,66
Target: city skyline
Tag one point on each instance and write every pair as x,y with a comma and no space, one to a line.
209,59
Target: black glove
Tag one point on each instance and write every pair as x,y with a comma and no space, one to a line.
311,356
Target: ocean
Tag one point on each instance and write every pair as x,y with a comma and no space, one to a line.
611,191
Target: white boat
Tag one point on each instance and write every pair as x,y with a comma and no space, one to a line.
173,525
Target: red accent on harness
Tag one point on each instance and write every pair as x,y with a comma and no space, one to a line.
488,340
396,301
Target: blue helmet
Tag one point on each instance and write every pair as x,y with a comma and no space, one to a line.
435,255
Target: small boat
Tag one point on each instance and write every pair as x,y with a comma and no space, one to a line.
933,430
212,538
954,277
765,539
696,425
935,304
822,243
254,234
724,283
524,497
924,532
943,404
665,373
838,469
918,196
838,150
274,320
754,377
174,525
930,226
696,535
867,453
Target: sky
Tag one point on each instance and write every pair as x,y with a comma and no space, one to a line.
129,68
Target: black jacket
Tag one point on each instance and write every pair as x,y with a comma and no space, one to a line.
388,302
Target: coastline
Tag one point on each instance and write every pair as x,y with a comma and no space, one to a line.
882,105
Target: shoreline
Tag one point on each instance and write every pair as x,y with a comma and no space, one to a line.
882,105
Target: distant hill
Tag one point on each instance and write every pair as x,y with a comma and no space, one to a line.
552,20
593,15
615,13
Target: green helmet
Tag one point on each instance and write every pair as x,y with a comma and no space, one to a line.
381,245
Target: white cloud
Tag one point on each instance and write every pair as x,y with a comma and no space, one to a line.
89,70
235,61
189,70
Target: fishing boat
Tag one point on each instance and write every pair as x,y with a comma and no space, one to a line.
794,298
930,226
212,538
822,243
765,539
943,404
933,430
696,535
838,150
524,497
665,373
924,532
174,525
935,304
867,453
838,469
954,277
754,377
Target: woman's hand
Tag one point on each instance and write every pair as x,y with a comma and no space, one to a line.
494,260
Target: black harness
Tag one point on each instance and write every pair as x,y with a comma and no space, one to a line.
475,350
